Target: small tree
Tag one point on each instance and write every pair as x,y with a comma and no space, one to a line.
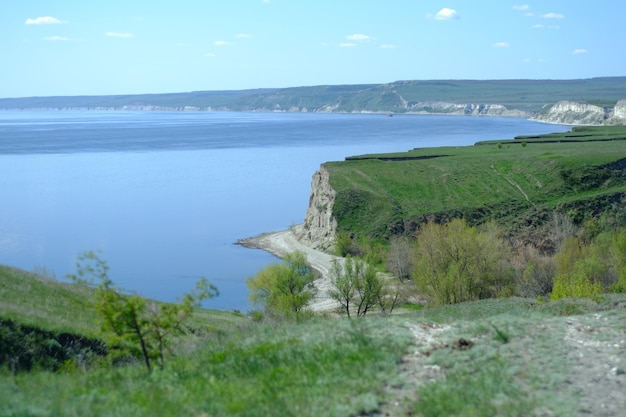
393,294
399,258
133,325
356,285
284,289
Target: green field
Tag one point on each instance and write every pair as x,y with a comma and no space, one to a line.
508,357
581,174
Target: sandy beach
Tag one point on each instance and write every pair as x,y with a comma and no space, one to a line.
283,242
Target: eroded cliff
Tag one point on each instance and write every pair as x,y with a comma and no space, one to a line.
575,113
320,226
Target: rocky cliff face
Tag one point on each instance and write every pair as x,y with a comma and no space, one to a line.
619,111
320,226
441,107
574,113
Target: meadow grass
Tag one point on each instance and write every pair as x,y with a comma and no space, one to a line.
378,193
331,366
322,367
41,301
519,364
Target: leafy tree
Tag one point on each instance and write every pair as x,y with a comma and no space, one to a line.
284,289
134,325
587,268
620,250
456,262
356,286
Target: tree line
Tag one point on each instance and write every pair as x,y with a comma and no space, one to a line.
450,263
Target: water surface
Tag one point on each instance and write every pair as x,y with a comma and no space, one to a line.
164,196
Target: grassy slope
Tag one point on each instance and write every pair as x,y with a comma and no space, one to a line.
33,300
520,361
377,196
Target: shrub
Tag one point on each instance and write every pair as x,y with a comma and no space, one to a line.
283,289
456,263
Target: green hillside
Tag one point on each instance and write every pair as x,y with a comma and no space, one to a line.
582,174
507,357
399,96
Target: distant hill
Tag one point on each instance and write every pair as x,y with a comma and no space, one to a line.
521,98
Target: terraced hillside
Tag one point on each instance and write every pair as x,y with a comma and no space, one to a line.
517,182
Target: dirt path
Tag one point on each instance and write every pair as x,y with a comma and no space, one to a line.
510,181
597,366
284,242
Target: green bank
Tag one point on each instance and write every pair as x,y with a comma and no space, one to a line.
518,183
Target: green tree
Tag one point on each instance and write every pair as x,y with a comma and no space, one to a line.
283,289
620,260
356,286
456,262
133,325
587,268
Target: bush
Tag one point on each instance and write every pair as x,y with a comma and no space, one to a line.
574,286
283,289
456,263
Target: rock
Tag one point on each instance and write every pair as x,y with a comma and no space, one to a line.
574,113
320,226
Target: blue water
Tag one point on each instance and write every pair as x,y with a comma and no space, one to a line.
164,196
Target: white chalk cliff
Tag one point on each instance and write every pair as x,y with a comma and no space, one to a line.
574,113
320,226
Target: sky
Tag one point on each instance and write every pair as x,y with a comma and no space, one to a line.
96,47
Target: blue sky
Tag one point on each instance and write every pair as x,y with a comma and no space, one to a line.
76,47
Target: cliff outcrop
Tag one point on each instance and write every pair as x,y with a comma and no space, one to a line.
320,226
470,109
575,113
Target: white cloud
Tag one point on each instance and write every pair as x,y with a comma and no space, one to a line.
56,38
521,7
446,14
347,45
222,43
359,37
552,16
579,51
388,46
501,45
119,34
243,36
551,27
44,20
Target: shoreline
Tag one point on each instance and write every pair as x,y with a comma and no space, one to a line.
283,242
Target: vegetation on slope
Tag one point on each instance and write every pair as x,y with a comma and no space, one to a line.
506,357
517,183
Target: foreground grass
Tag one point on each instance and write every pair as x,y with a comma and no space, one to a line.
560,358
306,370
